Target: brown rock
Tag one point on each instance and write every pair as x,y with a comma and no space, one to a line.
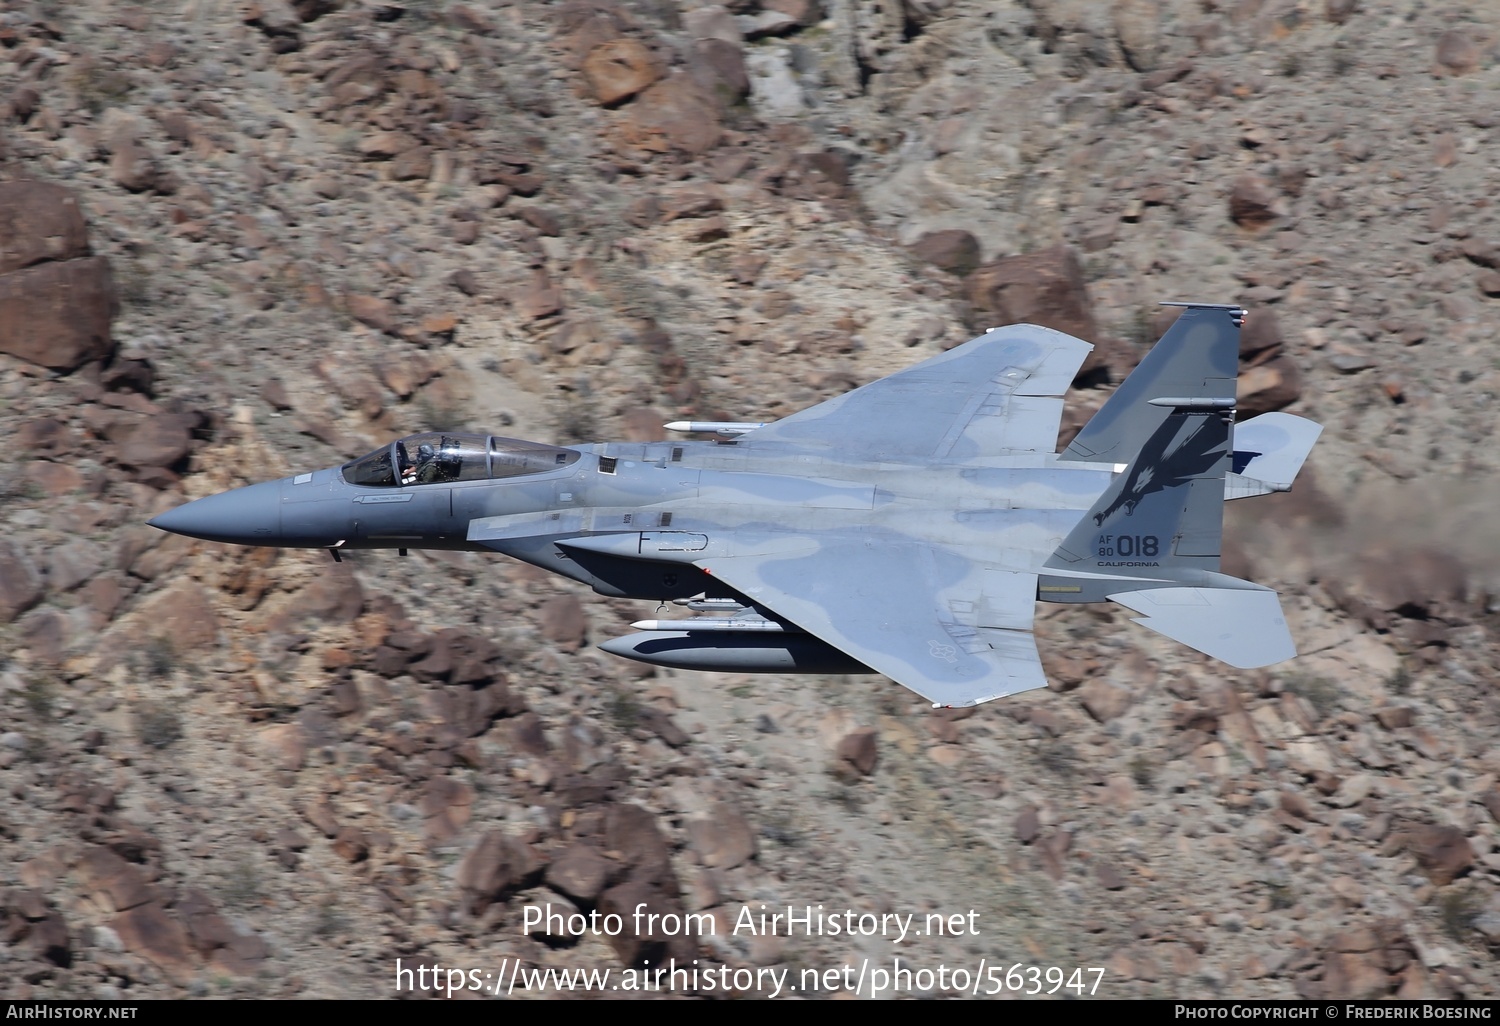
46,633
206,928
351,845
563,622
633,833
149,932
1269,386
495,867
132,168
746,268
274,392
466,233
528,737
858,749
491,704
1491,802
579,872
1354,976
651,945
241,956
1392,717
821,175
954,250
709,229
693,201
437,664
1054,850
472,655
520,184
542,219
724,839
20,587
373,311
1109,876
1138,28
44,437
54,478
660,724
39,221
284,745
1481,251
160,441
1260,336
643,211
1045,287
1443,852
465,281
1456,54
1104,700
674,114
57,315
185,613
412,164
718,67
712,22
1253,204
320,814
619,69
1028,825
335,596
539,298
71,564
385,145
312,10
23,103
446,806
1339,11
278,20
115,884
588,24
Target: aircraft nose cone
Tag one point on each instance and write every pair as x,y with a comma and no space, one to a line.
244,516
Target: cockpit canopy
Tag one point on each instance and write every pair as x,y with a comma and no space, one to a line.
446,456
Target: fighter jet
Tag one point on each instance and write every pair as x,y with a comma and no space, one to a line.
908,527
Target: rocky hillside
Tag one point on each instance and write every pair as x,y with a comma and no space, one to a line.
242,238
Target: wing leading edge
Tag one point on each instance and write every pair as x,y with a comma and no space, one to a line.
995,394
955,633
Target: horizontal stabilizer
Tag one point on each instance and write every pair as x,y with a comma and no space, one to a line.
1240,626
1269,450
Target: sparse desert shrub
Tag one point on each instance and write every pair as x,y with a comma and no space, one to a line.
1320,692
157,724
1458,908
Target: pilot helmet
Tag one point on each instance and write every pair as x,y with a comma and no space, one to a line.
424,452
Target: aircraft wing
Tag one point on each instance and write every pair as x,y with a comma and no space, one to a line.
995,394
932,620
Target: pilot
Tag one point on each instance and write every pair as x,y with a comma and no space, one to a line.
427,465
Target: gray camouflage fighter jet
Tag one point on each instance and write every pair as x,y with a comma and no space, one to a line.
907,527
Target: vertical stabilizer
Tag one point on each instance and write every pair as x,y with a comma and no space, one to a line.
1198,357
1165,512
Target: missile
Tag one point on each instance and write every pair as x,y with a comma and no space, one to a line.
714,623
724,428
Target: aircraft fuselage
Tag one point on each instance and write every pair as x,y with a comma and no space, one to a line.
586,520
